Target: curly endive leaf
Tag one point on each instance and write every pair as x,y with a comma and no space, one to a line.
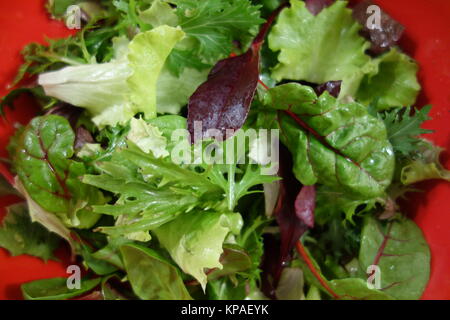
339,145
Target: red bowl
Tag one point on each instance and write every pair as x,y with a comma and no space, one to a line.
427,40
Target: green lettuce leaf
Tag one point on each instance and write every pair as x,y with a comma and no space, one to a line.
320,48
151,276
425,165
393,81
148,52
19,235
173,92
234,260
357,289
115,91
402,254
56,289
349,150
49,220
160,13
290,286
195,240
50,177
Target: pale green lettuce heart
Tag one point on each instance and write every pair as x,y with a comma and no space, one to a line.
147,137
194,240
114,92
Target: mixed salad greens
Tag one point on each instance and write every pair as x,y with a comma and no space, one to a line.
149,218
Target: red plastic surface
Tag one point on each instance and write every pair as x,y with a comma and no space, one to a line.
427,40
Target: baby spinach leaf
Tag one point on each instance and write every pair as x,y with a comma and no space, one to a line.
290,286
151,276
336,144
56,289
402,254
44,166
19,235
357,289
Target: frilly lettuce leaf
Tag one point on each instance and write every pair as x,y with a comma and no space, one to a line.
194,240
320,48
147,137
393,81
148,52
347,150
160,13
425,166
115,91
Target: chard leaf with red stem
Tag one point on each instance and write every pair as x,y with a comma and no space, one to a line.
43,164
336,144
401,252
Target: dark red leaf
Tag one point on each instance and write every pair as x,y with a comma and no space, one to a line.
315,6
82,136
294,214
68,111
223,101
270,266
333,88
305,205
382,39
